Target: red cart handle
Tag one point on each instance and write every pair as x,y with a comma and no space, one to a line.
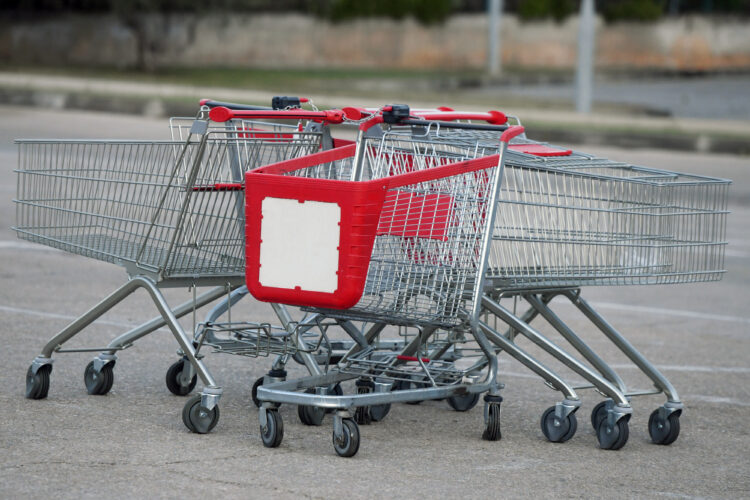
492,117
222,114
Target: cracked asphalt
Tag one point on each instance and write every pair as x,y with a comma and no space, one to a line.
132,442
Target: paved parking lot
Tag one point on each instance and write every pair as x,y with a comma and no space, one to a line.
132,442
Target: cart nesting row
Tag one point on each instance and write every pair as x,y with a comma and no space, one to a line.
427,222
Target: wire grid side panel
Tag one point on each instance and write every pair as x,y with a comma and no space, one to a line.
96,199
399,153
210,237
425,259
561,227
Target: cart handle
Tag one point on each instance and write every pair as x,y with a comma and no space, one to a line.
223,114
278,102
230,105
492,117
356,114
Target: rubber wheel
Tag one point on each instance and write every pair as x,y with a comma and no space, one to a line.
598,414
335,391
37,384
173,379
254,392
558,430
311,415
379,412
197,418
273,433
347,444
405,385
613,437
464,402
492,426
98,383
664,431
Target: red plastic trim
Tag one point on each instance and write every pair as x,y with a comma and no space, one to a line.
401,357
540,150
511,133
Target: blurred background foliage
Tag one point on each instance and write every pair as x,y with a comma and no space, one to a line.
424,11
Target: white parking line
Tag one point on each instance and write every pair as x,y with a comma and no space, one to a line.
43,314
715,399
22,245
670,312
690,368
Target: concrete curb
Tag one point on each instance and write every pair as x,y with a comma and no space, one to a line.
563,128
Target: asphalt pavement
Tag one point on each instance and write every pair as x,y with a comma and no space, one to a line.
132,443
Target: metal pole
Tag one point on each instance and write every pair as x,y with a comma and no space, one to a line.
494,56
585,70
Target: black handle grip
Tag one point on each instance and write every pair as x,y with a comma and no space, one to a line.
231,105
465,126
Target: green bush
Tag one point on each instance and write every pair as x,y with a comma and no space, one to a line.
529,10
631,10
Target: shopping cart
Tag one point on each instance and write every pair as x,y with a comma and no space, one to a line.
166,211
566,220
407,248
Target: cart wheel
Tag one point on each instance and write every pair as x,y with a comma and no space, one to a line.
197,418
174,382
492,426
379,412
405,385
311,415
558,430
37,384
464,402
254,393
335,391
347,444
273,432
98,383
598,414
613,437
664,431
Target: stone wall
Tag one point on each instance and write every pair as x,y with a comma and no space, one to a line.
270,40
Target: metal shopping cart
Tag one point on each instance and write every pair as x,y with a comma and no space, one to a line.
166,211
566,220
406,248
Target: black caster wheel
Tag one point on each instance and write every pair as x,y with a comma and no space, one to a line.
347,444
311,415
174,382
463,402
558,430
405,385
197,418
336,390
379,412
362,415
98,383
273,432
664,431
613,437
598,414
492,426
254,393
37,384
